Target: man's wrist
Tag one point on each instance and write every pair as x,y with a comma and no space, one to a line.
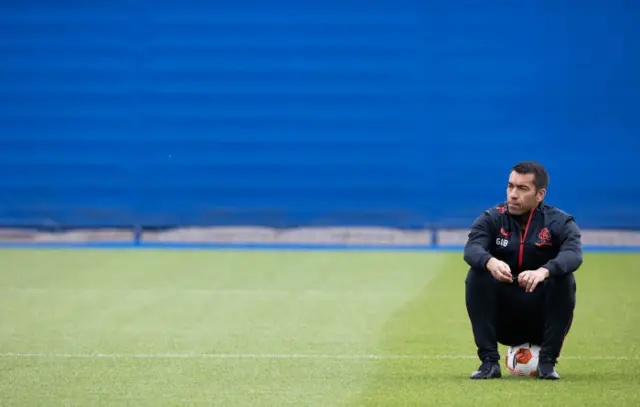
486,263
545,271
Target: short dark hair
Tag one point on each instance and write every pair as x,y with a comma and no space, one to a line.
540,175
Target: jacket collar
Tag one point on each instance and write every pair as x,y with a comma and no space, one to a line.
540,208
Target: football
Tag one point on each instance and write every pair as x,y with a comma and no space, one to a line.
522,360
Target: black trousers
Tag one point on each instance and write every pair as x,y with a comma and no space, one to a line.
504,313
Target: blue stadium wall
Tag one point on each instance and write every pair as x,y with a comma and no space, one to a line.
399,113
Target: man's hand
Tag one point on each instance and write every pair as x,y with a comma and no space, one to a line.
500,270
530,279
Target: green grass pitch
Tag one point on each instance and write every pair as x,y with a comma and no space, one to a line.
233,328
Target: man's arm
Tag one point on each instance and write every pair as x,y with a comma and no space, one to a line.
569,258
476,251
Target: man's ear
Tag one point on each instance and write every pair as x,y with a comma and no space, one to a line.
540,195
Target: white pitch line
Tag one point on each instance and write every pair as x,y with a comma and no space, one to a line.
269,356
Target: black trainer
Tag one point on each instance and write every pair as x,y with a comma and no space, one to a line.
547,371
487,370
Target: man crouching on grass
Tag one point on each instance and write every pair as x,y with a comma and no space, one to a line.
521,287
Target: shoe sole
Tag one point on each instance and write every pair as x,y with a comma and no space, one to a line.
485,378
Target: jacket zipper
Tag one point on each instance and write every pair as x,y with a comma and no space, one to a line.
522,239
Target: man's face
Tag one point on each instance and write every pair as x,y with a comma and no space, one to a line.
521,193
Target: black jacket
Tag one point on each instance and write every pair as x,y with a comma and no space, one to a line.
551,240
